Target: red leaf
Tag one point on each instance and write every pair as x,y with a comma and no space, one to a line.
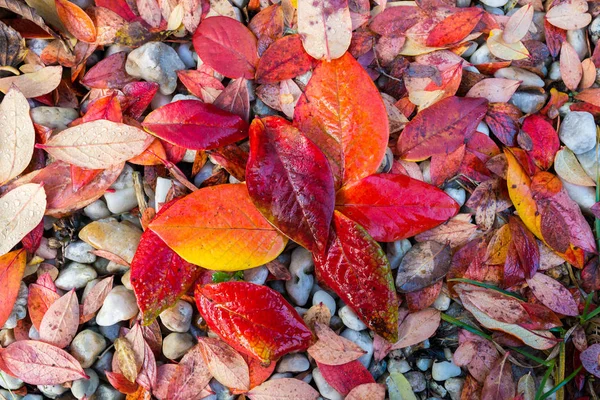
454,28
253,319
77,22
61,321
191,377
357,269
499,384
195,125
31,241
441,128
298,196
345,377
40,298
542,140
393,207
284,59
39,363
227,46
503,120
12,266
122,384
95,298
107,107
553,295
109,73
120,7
138,96
235,99
195,81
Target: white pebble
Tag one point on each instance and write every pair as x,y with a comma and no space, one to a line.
9,382
178,318
162,189
444,370
121,201
364,341
87,346
424,363
301,283
175,345
395,252
97,210
458,194
155,62
324,388
323,297
85,387
80,252
119,305
442,303
293,363
75,276
528,79
350,319
578,131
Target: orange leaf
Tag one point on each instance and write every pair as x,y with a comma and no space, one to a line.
77,22
12,266
454,28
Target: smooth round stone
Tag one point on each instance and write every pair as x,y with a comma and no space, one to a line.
350,319
528,102
482,55
75,276
178,318
116,48
31,397
97,210
53,117
104,364
395,252
442,303
52,391
121,239
33,333
494,3
584,196
482,127
554,71
578,131
80,252
119,305
85,387
186,55
160,100
204,173
87,346
106,392
454,387
257,275
45,251
175,345
302,281
281,375
528,79
121,201
162,189
416,380
110,332
424,363
399,366
125,179
364,341
9,382
7,336
577,39
590,162
594,29
36,46
458,194
19,310
323,297
445,370
324,388
293,363
5,394
438,389
190,155
155,62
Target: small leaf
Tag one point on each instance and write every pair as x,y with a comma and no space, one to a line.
253,319
225,364
506,51
345,377
367,391
190,378
400,386
454,28
34,84
499,384
590,358
60,323
569,15
125,359
325,27
569,169
518,24
98,144
283,389
39,363
417,327
332,349
553,295
570,66
21,210
12,266
284,59
544,140
423,265
495,90
94,299
41,296
77,22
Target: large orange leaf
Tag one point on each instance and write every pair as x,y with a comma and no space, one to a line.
12,266
219,228
77,22
343,113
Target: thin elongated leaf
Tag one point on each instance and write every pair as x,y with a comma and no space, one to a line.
342,112
298,198
356,268
325,27
553,295
568,168
227,46
283,389
77,22
98,144
95,298
12,266
284,59
21,210
219,228
225,364
61,321
39,363
28,13
253,319
518,24
332,349
195,125
17,135
393,207
34,84
441,128
454,28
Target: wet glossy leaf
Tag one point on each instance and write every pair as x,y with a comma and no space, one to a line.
61,320
325,27
341,111
393,207
227,46
543,138
195,125
253,319
12,266
332,349
298,198
356,268
109,73
284,59
423,265
225,364
40,297
39,363
428,134
345,377
283,389
219,228
77,22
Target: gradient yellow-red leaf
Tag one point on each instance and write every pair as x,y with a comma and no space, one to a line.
12,266
519,190
219,228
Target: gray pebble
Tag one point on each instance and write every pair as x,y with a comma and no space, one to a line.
80,252
75,276
87,346
155,62
175,345
85,387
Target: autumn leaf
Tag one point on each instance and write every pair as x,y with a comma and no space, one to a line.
332,349
569,15
393,207
543,139
77,22
553,294
454,28
503,50
219,228
518,24
342,112
253,319
190,377
357,269
225,364
325,27
367,391
61,320
12,266
423,265
570,66
275,146
283,389
94,299
284,59
33,84
499,384
495,90
40,297
345,377
589,359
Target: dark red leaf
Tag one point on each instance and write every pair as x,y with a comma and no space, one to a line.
32,240
109,73
345,377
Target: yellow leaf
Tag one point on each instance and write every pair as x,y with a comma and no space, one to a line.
503,50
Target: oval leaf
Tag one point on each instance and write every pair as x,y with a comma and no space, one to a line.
77,22
568,168
332,349
423,265
284,59
518,24
571,70
367,391
60,323
190,378
34,84
12,266
506,51
225,364
495,90
553,295
325,27
283,389
454,28
345,377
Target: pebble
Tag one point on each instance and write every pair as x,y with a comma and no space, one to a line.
528,102
364,341
87,346
438,389
121,201
118,238
175,345
458,194
482,55
301,267
454,387
416,380
442,303
424,363
470,50
256,275
187,55
34,334
445,370
52,391
36,46
75,276
19,310
578,131
395,252
6,395
9,382
31,397
482,127
322,296
85,387
160,100
324,388
584,196
293,363
110,332
528,79
178,318
104,364
204,173
7,336
577,39
119,305
350,319
45,251
155,62
97,210
162,189
116,48
554,71
126,280
590,162
53,117
400,366
190,155
426,170
106,392
80,252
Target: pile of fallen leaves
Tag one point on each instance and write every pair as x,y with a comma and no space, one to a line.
344,127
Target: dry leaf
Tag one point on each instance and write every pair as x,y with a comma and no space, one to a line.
34,84
570,66
61,321
568,168
325,27
518,24
332,349
506,51
569,15
283,389
225,364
